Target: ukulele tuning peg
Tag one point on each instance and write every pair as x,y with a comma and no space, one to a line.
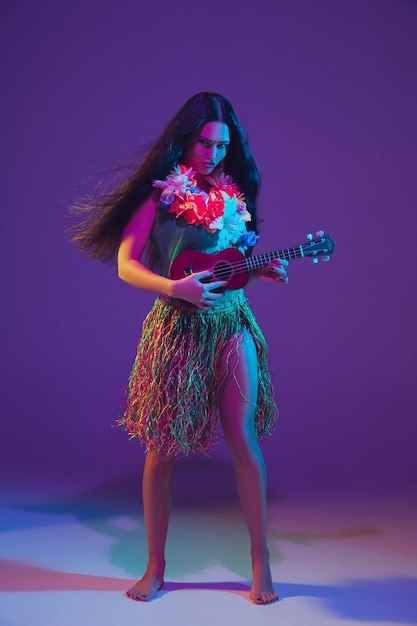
315,260
309,237
320,233
326,258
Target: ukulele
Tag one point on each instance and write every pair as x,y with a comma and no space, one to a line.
234,267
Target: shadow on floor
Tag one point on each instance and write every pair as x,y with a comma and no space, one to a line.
384,600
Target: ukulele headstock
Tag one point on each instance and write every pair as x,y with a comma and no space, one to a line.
320,245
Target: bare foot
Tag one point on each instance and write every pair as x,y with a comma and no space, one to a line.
146,588
262,591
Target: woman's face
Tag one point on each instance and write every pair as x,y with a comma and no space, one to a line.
207,148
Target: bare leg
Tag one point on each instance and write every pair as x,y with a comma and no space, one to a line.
237,416
157,475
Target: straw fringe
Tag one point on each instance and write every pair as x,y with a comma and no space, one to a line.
173,391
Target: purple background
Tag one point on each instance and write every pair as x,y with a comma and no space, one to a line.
328,93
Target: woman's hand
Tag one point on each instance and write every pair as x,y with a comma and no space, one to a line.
195,290
274,272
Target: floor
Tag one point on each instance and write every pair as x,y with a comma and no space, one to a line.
346,560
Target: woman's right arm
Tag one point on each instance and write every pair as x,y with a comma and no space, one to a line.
133,243
132,271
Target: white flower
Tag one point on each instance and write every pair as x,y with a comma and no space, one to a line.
231,224
179,181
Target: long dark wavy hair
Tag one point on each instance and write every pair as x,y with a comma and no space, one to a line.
102,219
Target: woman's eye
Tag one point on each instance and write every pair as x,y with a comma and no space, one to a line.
208,144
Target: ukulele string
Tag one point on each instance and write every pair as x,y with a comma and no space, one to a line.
251,263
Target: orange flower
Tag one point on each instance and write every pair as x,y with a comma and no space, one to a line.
191,207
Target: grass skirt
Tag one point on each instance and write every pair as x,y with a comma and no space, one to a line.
172,396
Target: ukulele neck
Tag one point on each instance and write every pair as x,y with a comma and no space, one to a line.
287,254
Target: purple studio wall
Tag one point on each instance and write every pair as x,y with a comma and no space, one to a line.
328,94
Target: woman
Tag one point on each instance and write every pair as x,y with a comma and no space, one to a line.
202,357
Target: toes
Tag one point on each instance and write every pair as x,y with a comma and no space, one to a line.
273,597
270,598
134,595
130,595
265,598
143,596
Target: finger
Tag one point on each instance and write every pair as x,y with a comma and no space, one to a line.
211,297
216,284
204,274
278,270
279,263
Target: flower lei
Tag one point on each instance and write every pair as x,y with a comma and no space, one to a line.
222,209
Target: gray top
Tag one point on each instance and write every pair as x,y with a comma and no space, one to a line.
172,236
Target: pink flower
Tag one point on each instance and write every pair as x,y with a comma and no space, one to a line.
224,182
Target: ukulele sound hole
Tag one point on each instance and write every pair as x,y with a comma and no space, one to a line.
222,271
